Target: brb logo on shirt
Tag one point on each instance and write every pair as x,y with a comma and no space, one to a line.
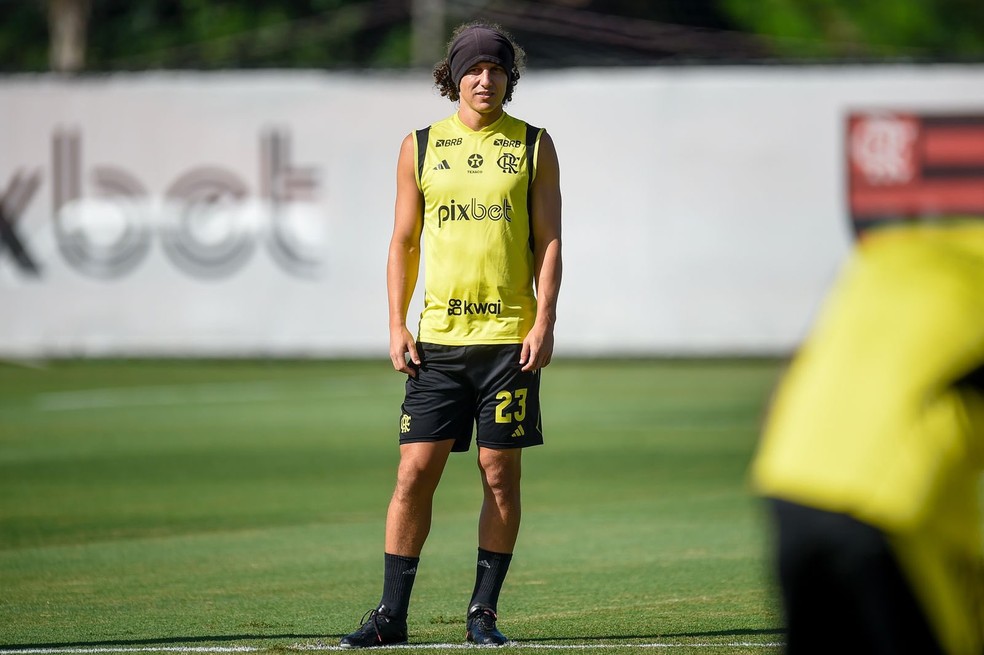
473,211
459,307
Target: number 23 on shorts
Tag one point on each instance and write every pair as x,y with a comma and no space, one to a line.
511,407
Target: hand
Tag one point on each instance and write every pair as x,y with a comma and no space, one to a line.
537,349
403,352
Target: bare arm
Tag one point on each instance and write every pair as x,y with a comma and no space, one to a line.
403,262
547,262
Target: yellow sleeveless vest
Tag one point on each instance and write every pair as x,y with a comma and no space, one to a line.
870,420
477,235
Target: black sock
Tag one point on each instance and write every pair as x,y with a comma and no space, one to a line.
399,574
489,576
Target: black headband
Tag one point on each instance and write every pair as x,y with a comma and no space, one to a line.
477,44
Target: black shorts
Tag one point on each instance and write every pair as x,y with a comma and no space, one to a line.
460,387
842,588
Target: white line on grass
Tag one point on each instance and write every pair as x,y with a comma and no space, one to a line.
102,650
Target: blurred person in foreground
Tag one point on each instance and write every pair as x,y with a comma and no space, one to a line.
872,452
483,188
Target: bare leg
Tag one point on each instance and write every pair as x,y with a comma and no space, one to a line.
408,519
498,524
498,527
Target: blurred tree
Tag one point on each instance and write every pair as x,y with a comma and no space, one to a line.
259,33
212,34
838,29
205,34
23,36
68,22
563,33
429,20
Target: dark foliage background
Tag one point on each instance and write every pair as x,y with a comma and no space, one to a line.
333,34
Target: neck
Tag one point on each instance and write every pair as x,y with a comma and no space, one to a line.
474,120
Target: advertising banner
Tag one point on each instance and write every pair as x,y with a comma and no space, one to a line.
906,166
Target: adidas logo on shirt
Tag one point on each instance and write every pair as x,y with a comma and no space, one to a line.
443,166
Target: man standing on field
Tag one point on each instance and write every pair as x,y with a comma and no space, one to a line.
483,191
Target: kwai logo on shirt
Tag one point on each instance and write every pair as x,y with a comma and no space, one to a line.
460,307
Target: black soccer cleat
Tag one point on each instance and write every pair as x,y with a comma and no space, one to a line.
481,627
377,629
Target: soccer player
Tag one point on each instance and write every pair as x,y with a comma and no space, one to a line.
873,450
482,190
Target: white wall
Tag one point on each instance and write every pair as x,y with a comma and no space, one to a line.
704,208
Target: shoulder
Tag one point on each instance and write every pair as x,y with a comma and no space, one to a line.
514,122
538,137
447,123
533,132
408,152
409,143
444,128
547,164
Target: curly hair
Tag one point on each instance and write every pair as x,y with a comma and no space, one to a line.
448,86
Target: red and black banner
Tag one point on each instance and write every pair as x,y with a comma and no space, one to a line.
906,166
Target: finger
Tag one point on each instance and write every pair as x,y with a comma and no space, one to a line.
531,361
524,353
412,350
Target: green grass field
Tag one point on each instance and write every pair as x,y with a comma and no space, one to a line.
240,505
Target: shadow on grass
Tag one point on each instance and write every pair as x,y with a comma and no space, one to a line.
742,632
163,641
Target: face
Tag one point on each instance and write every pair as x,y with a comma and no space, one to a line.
483,87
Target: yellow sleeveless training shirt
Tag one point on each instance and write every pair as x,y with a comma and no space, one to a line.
477,233
870,421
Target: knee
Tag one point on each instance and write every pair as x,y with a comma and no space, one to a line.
414,478
500,475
